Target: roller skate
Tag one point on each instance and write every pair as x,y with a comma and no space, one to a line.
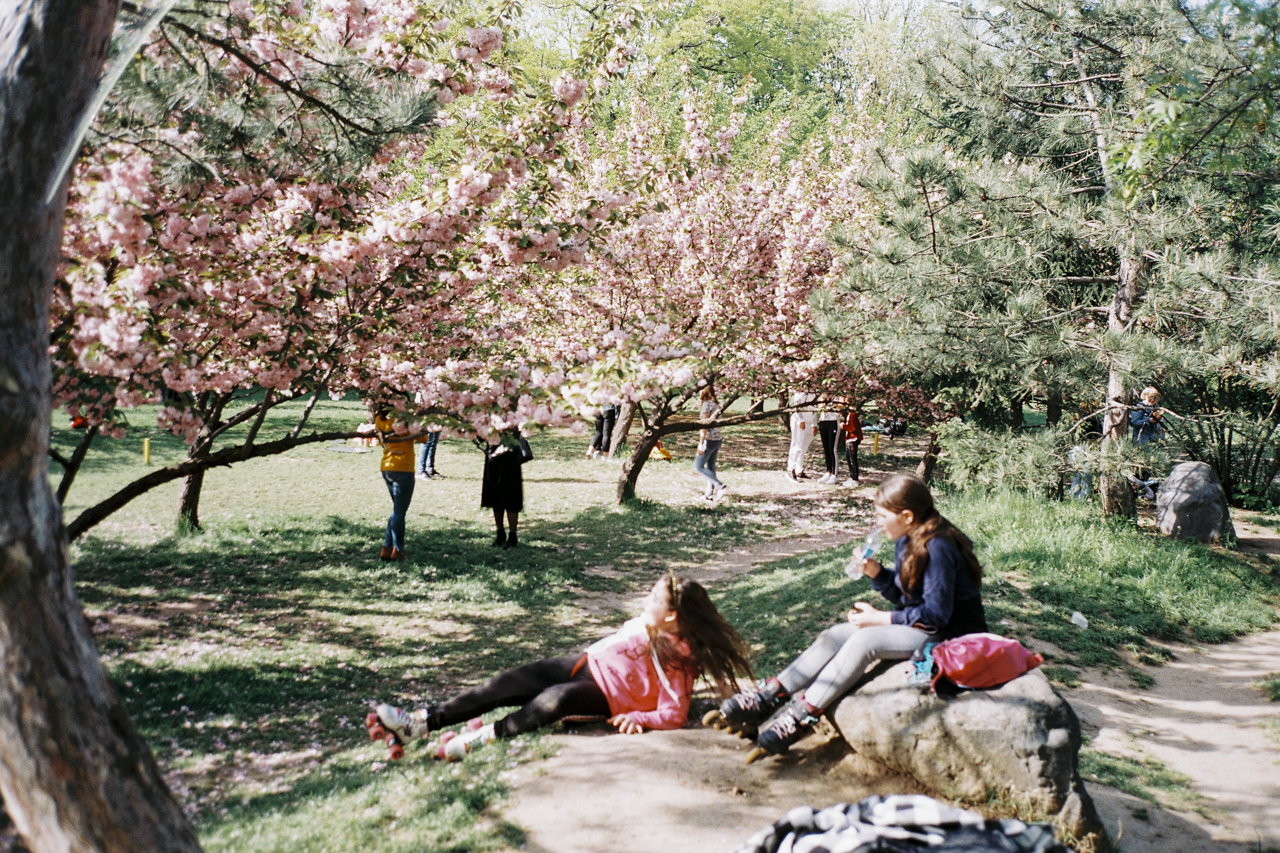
794,723
395,727
457,747
742,714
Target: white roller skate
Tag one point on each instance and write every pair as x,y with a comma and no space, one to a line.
396,727
456,748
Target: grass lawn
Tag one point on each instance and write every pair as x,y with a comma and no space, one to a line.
248,654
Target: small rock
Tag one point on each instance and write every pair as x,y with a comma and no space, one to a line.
1192,504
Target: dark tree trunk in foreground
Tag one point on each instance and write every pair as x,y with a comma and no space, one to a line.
74,773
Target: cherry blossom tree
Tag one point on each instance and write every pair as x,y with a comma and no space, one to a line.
263,283
708,280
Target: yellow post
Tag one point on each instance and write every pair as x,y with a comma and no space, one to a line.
146,451
875,442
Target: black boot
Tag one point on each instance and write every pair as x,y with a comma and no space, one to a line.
795,723
500,540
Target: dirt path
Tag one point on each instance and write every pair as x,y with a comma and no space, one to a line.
689,791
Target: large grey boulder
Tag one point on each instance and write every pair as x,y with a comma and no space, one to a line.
1192,504
1017,743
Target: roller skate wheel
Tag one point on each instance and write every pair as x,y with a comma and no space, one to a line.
440,753
713,718
445,737
475,723
755,755
371,719
396,752
377,732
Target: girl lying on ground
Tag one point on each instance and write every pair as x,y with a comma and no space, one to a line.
639,678
935,589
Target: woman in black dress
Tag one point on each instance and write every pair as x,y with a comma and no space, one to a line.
503,486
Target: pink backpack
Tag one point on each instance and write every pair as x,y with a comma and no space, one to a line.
983,660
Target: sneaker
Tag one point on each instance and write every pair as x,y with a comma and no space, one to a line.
829,480
795,723
406,725
422,475
791,475
435,475
850,482
719,490
750,709
802,475
458,747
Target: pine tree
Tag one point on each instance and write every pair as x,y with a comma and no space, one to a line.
1013,260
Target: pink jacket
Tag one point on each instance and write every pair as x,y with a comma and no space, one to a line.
627,671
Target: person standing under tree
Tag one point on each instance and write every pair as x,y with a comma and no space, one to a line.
709,441
502,488
427,455
397,473
600,441
802,429
828,429
852,430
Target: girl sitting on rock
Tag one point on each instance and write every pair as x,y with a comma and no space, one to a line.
639,678
934,587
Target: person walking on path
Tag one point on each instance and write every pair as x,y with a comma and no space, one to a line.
828,430
802,429
427,455
502,488
935,587
709,441
397,473
639,678
852,431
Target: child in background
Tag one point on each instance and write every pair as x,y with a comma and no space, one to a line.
639,678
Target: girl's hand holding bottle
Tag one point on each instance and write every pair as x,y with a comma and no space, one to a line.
863,563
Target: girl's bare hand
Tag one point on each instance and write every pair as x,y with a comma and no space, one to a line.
864,615
871,567
626,725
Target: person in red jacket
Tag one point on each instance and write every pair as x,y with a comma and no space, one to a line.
639,678
852,429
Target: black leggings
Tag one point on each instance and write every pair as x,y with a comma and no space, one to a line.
851,456
828,429
548,690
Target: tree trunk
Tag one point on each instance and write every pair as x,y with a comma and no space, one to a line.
74,773
1053,407
620,430
1017,418
930,461
635,464
1114,491
189,503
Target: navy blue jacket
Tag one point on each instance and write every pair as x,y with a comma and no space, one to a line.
949,601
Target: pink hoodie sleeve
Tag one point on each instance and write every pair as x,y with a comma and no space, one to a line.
673,710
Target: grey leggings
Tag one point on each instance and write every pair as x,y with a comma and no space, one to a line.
830,667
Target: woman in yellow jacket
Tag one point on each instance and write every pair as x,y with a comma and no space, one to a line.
397,472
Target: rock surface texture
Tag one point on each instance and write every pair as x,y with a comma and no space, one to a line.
1192,504
1018,742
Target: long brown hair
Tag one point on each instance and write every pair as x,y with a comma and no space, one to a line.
719,652
908,492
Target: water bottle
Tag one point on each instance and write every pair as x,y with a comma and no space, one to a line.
874,540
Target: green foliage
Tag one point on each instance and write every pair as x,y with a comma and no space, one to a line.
1271,686
1000,267
1037,461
